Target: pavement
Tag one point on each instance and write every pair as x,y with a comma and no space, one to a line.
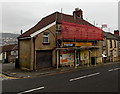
10,72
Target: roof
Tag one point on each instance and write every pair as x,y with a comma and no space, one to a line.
109,35
56,16
7,48
117,36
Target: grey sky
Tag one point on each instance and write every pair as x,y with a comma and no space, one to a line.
24,15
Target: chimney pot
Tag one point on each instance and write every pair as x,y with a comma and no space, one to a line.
116,32
21,31
78,13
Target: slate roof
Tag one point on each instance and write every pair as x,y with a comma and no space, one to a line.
109,35
8,48
56,16
118,37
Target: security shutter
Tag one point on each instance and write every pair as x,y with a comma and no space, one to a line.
43,59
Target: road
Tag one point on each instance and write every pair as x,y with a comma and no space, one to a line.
93,79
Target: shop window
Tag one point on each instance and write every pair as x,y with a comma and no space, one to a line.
110,43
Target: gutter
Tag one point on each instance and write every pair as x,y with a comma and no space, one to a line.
24,38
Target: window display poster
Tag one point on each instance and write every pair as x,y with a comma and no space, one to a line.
66,58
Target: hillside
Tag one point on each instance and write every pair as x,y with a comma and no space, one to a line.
9,35
8,38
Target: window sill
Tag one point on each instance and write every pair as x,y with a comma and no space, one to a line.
46,43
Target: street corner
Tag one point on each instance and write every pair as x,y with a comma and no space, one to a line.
15,76
4,77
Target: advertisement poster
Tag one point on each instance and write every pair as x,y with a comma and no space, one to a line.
66,57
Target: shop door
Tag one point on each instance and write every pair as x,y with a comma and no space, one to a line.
78,57
93,60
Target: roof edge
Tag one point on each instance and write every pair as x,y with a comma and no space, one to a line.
43,29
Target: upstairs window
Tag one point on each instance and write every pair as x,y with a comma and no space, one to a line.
114,43
104,42
46,38
110,43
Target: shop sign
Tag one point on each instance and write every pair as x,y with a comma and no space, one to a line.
83,44
68,44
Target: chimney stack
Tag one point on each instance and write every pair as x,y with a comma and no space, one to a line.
21,31
78,13
116,32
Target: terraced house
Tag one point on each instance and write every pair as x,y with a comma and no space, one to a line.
60,40
111,47
117,34
9,53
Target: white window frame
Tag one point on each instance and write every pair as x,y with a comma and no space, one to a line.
45,36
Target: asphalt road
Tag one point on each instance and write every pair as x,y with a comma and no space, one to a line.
94,79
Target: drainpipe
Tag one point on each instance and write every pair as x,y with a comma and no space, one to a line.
32,54
75,59
95,57
88,61
57,58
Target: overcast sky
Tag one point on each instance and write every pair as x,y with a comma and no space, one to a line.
24,15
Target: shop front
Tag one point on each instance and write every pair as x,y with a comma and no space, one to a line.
70,57
76,54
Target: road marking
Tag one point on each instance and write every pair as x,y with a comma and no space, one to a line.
30,90
93,74
78,78
116,68
113,69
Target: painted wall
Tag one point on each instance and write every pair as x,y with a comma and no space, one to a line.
28,48
1,54
25,54
113,49
39,45
105,47
84,56
54,58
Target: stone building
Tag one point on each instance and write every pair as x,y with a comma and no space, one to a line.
60,40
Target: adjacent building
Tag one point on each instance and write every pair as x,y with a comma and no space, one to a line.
119,47
60,40
110,47
9,53
116,34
